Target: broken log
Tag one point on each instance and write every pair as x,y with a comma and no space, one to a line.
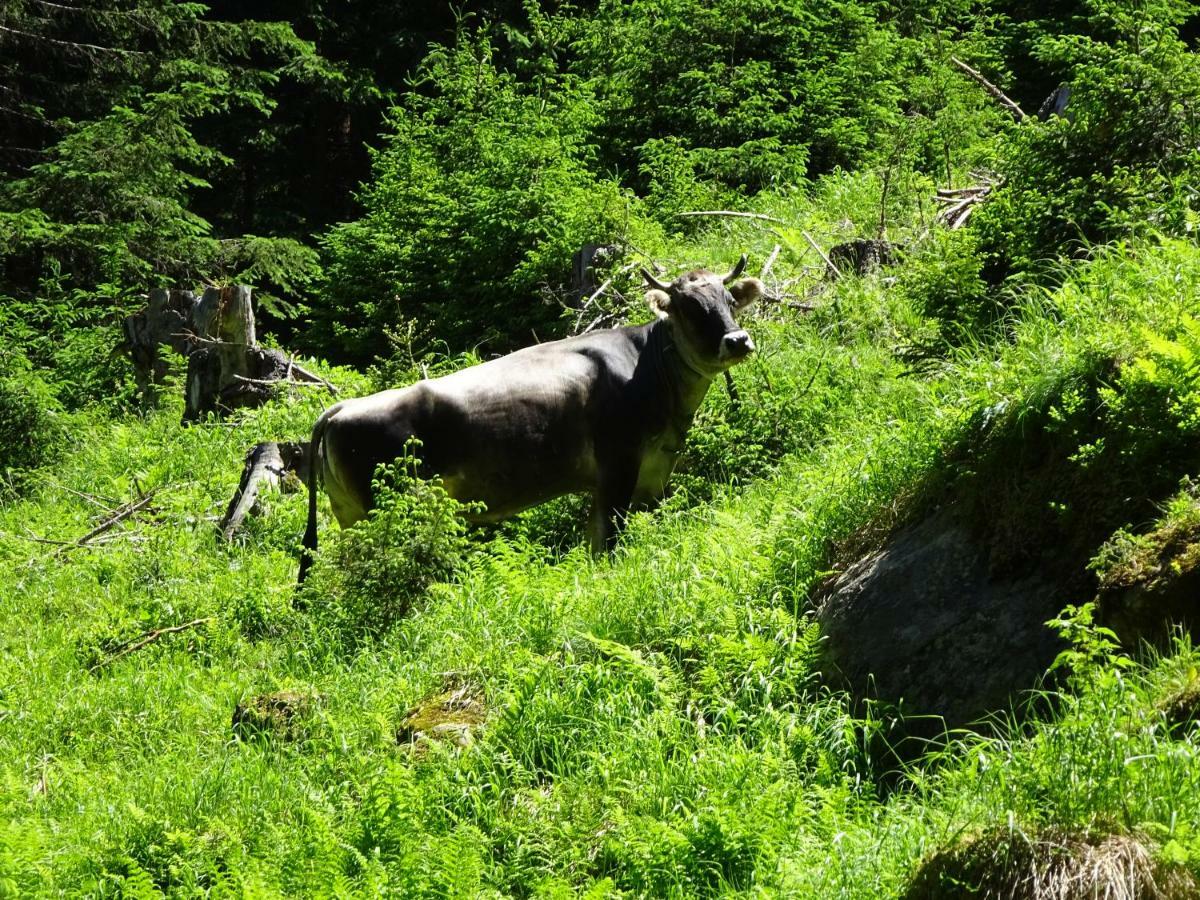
268,464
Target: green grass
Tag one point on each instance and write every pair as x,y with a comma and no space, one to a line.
654,726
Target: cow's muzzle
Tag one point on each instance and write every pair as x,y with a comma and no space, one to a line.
736,346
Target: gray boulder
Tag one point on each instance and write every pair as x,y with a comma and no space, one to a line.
926,624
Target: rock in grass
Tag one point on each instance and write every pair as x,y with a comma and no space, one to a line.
1052,864
453,716
282,715
926,624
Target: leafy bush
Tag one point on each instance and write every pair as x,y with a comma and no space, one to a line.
31,430
1121,159
944,282
370,575
477,204
757,93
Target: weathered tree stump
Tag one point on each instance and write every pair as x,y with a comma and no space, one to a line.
862,255
226,361
166,321
226,368
269,464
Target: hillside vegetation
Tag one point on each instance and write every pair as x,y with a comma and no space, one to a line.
445,710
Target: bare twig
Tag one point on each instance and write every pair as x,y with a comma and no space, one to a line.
588,303
148,638
118,515
101,541
728,212
834,272
602,319
191,336
106,505
71,45
269,382
306,375
596,293
1005,101
770,261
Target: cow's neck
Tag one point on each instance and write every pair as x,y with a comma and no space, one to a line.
684,385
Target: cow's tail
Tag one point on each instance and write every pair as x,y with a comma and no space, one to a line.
309,543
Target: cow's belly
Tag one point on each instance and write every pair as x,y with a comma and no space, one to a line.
510,476
511,449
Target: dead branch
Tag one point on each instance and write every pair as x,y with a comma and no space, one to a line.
595,294
1005,101
202,340
271,382
71,45
145,639
832,269
308,376
770,261
117,515
729,212
588,304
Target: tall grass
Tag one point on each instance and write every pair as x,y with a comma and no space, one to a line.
654,725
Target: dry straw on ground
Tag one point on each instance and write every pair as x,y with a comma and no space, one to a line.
1050,865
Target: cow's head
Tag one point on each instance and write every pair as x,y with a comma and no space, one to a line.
700,307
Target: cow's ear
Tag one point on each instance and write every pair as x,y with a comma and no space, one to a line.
660,302
746,292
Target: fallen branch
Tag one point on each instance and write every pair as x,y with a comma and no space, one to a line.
729,212
587,304
834,272
118,515
271,382
148,638
308,376
1005,101
770,261
101,541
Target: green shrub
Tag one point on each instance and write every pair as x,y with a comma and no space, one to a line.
477,204
369,576
944,282
31,430
756,93
1121,160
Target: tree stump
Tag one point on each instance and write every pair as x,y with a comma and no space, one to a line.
862,255
165,321
226,368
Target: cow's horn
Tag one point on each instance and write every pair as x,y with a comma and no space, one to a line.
737,270
654,282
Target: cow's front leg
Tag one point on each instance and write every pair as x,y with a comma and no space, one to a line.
610,505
